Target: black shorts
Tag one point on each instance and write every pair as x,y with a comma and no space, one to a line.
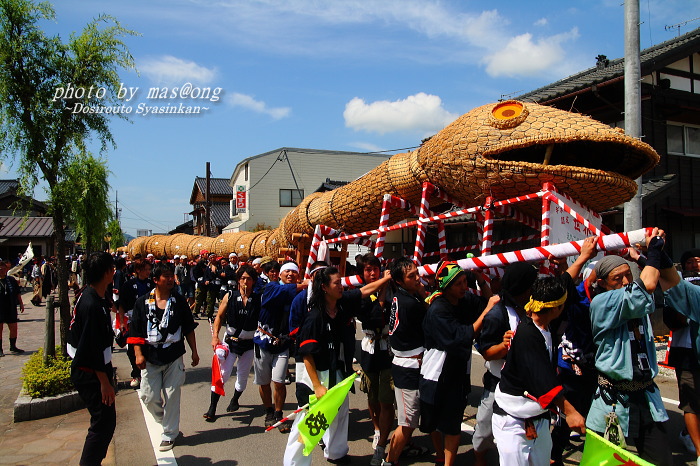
445,417
8,316
688,384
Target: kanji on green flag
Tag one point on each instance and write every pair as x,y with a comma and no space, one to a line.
599,452
321,414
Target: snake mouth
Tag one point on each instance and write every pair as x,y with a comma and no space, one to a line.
627,157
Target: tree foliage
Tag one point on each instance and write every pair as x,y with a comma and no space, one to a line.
40,129
84,189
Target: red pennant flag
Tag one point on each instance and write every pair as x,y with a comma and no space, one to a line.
217,381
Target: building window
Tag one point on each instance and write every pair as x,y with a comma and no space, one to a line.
683,140
291,197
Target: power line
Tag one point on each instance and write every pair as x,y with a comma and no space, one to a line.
160,227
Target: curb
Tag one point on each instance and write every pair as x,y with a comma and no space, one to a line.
28,409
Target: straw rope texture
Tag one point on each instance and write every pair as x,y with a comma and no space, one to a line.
500,150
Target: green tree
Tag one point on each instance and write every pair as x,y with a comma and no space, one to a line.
85,193
115,231
37,126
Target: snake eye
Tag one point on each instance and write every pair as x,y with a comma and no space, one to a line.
508,114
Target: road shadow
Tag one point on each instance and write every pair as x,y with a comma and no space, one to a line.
196,460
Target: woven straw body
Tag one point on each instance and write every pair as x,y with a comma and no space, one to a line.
500,150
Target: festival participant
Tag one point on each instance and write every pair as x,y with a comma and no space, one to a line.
529,387
89,345
375,359
494,341
137,286
298,311
454,317
197,273
239,311
272,339
226,276
407,311
576,351
161,323
10,297
683,354
212,284
626,356
326,344
37,280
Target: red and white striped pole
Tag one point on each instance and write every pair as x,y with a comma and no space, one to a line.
383,221
422,227
488,227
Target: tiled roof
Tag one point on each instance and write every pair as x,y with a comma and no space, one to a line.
217,186
651,58
7,185
330,185
220,214
33,227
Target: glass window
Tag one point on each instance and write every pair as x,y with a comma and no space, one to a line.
692,140
291,197
674,136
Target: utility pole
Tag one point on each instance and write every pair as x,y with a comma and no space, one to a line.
116,205
633,104
207,204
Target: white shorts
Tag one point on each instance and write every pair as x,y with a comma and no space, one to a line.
270,367
407,407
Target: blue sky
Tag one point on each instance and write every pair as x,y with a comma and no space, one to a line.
349,75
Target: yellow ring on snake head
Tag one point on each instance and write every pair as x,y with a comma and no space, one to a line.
508,114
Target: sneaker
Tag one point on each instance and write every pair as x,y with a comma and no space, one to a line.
375,440
386,463
166,445
16,350
686,441
378,457
1,353
134,383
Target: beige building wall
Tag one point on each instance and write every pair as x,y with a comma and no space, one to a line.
267,173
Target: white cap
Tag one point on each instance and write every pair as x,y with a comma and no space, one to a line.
149,255
183,257
257,260
176,257
233,254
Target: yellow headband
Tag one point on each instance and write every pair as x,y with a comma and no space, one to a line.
537,306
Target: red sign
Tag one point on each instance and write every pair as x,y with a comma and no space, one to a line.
240,198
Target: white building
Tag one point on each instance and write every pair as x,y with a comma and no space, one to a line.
268,186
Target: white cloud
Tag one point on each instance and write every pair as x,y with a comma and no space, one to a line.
367,146
420,112
242,100
171,70
523,56
541,22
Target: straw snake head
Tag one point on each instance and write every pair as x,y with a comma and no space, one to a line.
510,148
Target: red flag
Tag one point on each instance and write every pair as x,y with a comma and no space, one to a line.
217,381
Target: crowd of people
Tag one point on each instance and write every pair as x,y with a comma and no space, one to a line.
576,348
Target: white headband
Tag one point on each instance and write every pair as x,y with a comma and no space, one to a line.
256,261
320,267
289,266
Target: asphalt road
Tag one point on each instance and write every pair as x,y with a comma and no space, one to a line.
239,438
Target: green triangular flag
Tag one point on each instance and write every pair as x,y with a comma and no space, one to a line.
321,414
599,452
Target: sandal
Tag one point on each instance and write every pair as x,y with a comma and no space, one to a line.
414,451
285,427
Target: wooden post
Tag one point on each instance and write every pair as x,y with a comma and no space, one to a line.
50,336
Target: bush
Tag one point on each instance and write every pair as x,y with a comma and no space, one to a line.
40,381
